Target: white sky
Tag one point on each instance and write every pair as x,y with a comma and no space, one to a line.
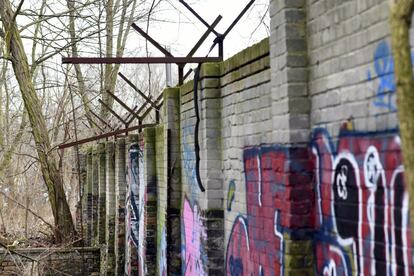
179,29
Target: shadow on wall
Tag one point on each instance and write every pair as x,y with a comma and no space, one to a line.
360,211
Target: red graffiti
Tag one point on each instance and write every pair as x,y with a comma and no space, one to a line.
277,196
362,205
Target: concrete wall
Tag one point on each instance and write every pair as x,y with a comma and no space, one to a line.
361,210
293,165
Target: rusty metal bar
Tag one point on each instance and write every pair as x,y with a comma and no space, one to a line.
138,60
238,18
105,135
150,39
123,104
139,111
136,89
112,111
95,124
188,73
198,17
100,119
180,74
204,36
129,114
159,98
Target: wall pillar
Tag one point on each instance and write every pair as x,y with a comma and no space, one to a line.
95,195
110,209
120,184
149,244
132,206
161,200
89,184
211,166
102,193
173,180
291,126
84,198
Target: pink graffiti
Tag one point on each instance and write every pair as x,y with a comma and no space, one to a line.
195,236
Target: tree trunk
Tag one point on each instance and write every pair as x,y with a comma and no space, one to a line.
400,20
78,71
64,229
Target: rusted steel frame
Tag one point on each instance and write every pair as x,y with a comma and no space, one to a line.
238,18
100,119
149,110
181,76
138,60
136,89
95,124
112,111
129,114
138,112
220,38
198,17
105,135
187,74
204,36
151,40
123,104
158,101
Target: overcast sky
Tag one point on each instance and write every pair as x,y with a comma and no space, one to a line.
176,27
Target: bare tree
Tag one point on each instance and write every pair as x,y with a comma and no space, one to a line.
64,228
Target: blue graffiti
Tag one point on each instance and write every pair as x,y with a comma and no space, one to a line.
189,160
384,72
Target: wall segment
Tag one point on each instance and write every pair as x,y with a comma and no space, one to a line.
300,165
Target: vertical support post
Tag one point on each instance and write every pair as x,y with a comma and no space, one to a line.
171,111
150,182
95,195
84,197
120,184
210,166
110,209
102,193
180,74
157,116
89,185
168,77
221,48
140,123
133,214
291,106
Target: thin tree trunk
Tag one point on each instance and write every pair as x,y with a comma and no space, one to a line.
401,11
65,230
109,8
79,75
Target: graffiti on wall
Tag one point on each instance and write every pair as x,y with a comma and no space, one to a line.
385,91
360,209
231,194
256,243
163,252
189,161
362,205
135,202
193,237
